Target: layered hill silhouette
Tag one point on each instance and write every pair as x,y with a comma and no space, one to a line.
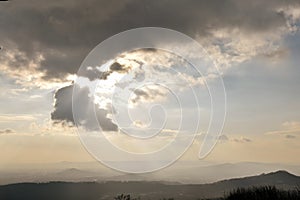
185,172
145,190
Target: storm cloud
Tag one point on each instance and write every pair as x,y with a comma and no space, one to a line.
85,106
63,32
48,40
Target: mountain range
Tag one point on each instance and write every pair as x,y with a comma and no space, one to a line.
143,189
180,172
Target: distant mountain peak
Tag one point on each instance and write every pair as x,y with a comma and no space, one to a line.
281,172
73,169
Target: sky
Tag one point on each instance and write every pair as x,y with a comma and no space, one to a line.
255,44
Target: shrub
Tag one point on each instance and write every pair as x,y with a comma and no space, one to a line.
263,193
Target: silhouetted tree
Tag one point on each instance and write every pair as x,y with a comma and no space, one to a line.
125,197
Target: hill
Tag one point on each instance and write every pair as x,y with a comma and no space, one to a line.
145,190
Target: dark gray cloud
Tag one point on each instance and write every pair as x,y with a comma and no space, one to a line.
7,131
242,140
148,94
84,105
65,31
223,138
290,136
63,104
114,67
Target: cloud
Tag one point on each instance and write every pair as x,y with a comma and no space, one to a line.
223,138
54,37
63,104
226,138
47,127
290,136
107,76
6,131
85,105
150,93
242,140
287,128
8,118
114,67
